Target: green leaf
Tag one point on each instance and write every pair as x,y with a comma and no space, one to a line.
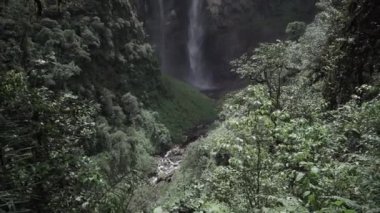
314,170
307,193
338,203
299,177
158,210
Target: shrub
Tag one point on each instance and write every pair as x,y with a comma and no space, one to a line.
295,30
43,153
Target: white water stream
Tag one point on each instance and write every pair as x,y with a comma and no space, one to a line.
197,75
168,165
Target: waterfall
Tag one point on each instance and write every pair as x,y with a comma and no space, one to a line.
197,75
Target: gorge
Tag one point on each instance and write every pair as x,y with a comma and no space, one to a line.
184,106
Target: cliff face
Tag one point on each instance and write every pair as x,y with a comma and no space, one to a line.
241,25
238,25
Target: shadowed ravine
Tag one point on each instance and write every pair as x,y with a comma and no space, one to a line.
134,106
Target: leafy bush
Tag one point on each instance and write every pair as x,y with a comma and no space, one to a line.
181,107
287,152
280,160
43,151
295,30
268,64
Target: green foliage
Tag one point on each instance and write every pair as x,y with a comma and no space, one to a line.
280,161
276,148
62,47
97,51
298,96
295,30
43,136
159,134
288,153
346,62
241,103
182,107
127,138
268,64
49,72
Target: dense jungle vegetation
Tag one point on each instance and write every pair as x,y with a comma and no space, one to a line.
85,111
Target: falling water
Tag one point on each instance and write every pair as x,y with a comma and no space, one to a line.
194,46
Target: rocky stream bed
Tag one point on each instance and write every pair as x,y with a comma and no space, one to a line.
169,163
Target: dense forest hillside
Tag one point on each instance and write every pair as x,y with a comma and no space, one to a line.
89,122
79,87
304,136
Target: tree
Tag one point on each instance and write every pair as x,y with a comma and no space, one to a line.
295,30
267,65
43,164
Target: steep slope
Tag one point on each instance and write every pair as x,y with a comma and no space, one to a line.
78,85
355,46
279,147
104,39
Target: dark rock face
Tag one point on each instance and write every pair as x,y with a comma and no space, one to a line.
169,36
241,25
232,27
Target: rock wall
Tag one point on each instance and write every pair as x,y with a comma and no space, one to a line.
232,27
